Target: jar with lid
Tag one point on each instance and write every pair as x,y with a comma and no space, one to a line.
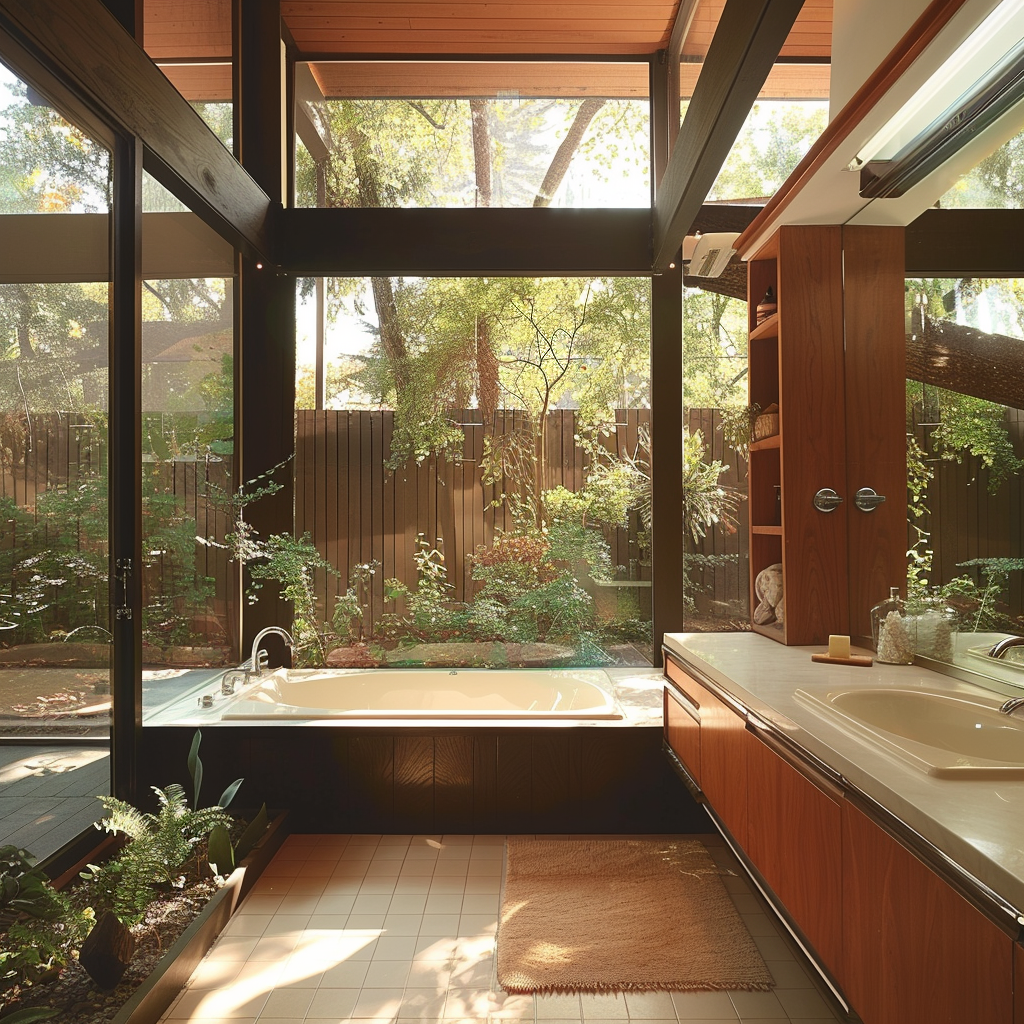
936,627
894,630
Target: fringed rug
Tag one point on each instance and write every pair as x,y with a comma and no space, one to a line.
620,915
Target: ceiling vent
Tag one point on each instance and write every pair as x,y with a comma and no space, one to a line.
712,253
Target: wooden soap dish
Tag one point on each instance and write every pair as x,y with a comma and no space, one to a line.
853,659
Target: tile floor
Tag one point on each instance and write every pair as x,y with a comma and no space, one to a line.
400,930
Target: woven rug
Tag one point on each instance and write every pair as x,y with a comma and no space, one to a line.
620,915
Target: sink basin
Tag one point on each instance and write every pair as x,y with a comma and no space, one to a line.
955,734
1012,656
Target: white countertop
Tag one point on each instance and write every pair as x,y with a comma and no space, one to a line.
978,823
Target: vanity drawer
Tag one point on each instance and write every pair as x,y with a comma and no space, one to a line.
682,730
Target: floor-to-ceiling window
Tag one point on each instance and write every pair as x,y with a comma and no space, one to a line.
55,201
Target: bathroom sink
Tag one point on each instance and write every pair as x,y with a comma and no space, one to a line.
1011,657
957,734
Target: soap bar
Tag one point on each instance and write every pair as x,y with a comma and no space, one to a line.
839,647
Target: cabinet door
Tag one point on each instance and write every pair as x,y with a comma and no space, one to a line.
682,730
794,839
914,950
723,753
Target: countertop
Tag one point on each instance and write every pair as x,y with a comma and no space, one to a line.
979,824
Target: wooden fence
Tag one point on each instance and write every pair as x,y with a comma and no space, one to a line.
965,521
357,511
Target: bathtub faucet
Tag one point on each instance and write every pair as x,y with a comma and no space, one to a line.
259,659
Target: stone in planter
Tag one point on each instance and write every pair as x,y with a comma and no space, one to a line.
107,951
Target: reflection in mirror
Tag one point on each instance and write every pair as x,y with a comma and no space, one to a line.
965,437
54,616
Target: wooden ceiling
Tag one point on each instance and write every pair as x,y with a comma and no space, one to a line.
200,30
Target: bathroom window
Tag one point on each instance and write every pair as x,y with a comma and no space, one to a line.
473,469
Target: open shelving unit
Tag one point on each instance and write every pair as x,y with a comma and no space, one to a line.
796,361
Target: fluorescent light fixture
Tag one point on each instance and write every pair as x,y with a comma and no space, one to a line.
711,253
978,83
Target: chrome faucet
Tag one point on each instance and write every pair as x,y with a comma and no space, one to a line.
259,659
1001,647
1009,706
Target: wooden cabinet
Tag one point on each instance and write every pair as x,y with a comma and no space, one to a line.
682,730
832,359
723,746
794,839
796,362
915,951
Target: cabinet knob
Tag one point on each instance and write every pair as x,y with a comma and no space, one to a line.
867,500
826,500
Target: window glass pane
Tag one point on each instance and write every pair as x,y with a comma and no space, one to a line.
774,138
54,615
187,447
456,135
965,436
482,470
716,590
996,183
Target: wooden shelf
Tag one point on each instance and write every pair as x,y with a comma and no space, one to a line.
766,329
775,441
767,531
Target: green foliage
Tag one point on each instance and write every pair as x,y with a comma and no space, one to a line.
350,606
24,888
159,845
705,502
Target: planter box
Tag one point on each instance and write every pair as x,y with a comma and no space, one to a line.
158,991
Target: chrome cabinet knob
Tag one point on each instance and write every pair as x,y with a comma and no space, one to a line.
867,500
826,500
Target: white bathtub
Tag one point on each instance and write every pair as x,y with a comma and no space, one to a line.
469,693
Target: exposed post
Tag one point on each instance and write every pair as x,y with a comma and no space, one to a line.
265,305
667,452
125,473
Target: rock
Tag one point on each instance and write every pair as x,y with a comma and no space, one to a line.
107,951
357,656
482,655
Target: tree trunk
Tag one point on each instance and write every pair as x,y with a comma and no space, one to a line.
967,361
481,151
488,388
565,152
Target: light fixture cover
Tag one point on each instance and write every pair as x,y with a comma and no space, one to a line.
712,253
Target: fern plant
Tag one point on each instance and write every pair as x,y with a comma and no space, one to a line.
159,845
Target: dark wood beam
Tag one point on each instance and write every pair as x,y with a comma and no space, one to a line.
125,462
667,576
111,73
746,44
966,243
394,242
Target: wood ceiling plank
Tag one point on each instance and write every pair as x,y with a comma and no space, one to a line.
173,28
484,12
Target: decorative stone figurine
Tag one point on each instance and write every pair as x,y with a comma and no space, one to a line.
768,591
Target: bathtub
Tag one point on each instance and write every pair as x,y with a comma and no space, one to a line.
423,693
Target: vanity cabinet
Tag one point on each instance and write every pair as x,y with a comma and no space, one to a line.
915,951
721,743
901,943
794,839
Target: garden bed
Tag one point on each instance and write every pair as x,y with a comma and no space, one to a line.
178,930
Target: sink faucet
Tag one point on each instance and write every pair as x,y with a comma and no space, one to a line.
1009,706
1000,648
259,659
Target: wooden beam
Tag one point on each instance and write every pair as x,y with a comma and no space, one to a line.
680,28
966,243
387,242
106,67
745,46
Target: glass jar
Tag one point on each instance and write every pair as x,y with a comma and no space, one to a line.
894,630
936,628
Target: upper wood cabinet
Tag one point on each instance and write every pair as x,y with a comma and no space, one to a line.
832,359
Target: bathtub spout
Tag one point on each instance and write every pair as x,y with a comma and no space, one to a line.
259,659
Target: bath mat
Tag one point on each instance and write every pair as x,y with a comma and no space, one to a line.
620,915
